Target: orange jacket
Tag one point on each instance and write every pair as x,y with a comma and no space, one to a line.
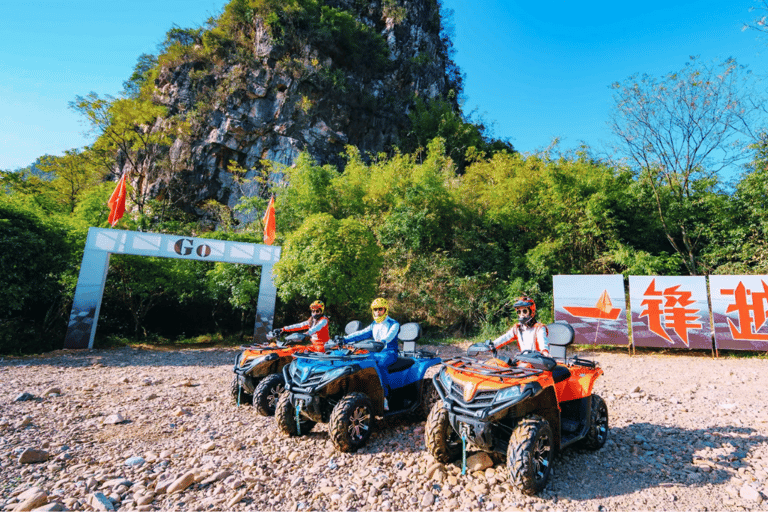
318,329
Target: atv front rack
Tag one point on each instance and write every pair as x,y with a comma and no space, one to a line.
322,356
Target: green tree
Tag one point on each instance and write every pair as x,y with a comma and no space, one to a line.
135,134
680,131
71,174
739,245
37,253
336,260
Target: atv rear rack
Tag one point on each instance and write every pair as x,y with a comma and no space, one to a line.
469,365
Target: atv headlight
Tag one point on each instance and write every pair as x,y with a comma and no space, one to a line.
334,374
510,393
446,380
253,362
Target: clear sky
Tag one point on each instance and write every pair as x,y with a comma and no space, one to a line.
534,70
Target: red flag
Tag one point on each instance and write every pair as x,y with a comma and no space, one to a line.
269,222
117,202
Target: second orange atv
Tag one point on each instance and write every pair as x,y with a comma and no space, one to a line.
259,368
526,408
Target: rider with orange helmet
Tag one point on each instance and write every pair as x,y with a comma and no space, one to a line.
316,326
529,334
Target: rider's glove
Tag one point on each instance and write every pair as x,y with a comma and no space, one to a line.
278,332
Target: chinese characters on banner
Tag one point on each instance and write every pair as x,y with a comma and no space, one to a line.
670,312
595,306
665,311
740,311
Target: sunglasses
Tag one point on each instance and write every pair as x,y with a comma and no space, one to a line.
523,312
379,309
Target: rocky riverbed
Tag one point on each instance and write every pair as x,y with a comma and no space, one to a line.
136,429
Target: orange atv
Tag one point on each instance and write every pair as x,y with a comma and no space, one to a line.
259,370
527,408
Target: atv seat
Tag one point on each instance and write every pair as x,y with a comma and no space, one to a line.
353,326
560,335
402,363
560,373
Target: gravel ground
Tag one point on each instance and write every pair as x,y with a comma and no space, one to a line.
135,429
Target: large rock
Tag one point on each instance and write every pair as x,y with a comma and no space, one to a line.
284,99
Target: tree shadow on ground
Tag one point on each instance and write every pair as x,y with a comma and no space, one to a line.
645,455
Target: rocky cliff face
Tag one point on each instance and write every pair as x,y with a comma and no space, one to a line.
282,99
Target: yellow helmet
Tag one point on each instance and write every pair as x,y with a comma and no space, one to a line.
380,303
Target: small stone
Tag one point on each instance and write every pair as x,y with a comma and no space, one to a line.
427,500
237,498
749,493
221,475
24,397
52,506
182,482
24,422
32,498
101,502
434,467
479,462
134,461
52,391
144,499
114,419
32,456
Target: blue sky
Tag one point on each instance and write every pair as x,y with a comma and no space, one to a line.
534,71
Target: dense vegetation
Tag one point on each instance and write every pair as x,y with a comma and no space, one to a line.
450,228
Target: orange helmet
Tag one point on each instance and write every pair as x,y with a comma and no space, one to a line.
528,303
317,305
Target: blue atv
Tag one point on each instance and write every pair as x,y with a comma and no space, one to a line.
343,388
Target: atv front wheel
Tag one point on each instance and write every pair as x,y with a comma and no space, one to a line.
598,425
427,398
442,441
285,414
351,422
267,393
239,397
530,454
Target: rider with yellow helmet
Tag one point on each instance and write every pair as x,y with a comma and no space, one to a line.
383,329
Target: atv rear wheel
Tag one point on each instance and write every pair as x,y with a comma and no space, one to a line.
530,454
597,434
351,422
285,414
442,441
238,395
267,393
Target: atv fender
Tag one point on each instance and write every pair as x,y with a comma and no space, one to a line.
407,370
579,384
543,404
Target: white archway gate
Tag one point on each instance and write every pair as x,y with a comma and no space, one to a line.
103,242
